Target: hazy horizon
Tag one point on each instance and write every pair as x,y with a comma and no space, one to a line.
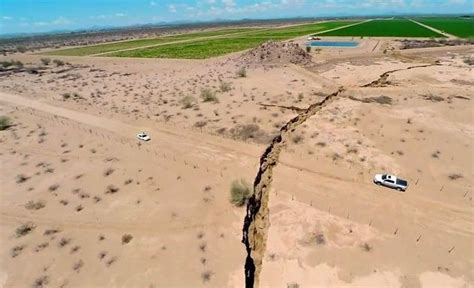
28,16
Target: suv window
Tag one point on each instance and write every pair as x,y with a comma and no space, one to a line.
389,181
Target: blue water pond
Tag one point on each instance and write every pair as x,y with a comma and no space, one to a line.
333,43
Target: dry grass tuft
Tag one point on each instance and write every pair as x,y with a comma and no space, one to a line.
25,229
240,192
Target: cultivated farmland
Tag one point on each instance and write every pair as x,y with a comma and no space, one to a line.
194,46
109,47
460,27
385,28
230,43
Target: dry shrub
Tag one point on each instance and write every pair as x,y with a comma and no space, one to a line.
32,205
206,276
242,72
5,123
455,176
41,282
126,238
15,251
249,131
111,189
320,239
208,95
240,192
188,102
366,247
25,229
225,86
20,178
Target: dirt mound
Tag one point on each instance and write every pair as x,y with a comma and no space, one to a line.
275,53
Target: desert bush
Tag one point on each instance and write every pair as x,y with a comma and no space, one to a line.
78,265
17,63
225,86
297,139
126,238
21,49
249,131
15,251
200,124
6,64
320,239
240,192
366,247
63,242
5,123
20,178
242,72
455,176
45,61
24,229
469,61
208,95
108,171
111,189
206,276
58,62
53,187
41,282
32,205
308,49
293,285
188,102
66,96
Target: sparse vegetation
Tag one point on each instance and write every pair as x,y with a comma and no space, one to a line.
41,282
366,247
58,62
15,251
208,95
455,176
25,229
126,238
240,192
20,178
188,102
5,123
320,239
225,86
32,205
111,189
108,171
206,276
45,61
242,72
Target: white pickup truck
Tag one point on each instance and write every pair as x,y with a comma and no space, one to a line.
391,181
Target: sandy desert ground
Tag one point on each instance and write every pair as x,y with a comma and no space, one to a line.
84,204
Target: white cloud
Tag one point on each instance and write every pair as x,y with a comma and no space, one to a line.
152,3
7,18
172,8
120,14
60,21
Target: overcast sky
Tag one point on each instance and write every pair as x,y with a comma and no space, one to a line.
18,16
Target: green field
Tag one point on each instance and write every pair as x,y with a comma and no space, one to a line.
109,47
385,28
231,43
460,27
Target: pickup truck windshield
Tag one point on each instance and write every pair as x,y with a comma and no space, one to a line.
384,176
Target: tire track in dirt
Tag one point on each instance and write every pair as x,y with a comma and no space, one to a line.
256,221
